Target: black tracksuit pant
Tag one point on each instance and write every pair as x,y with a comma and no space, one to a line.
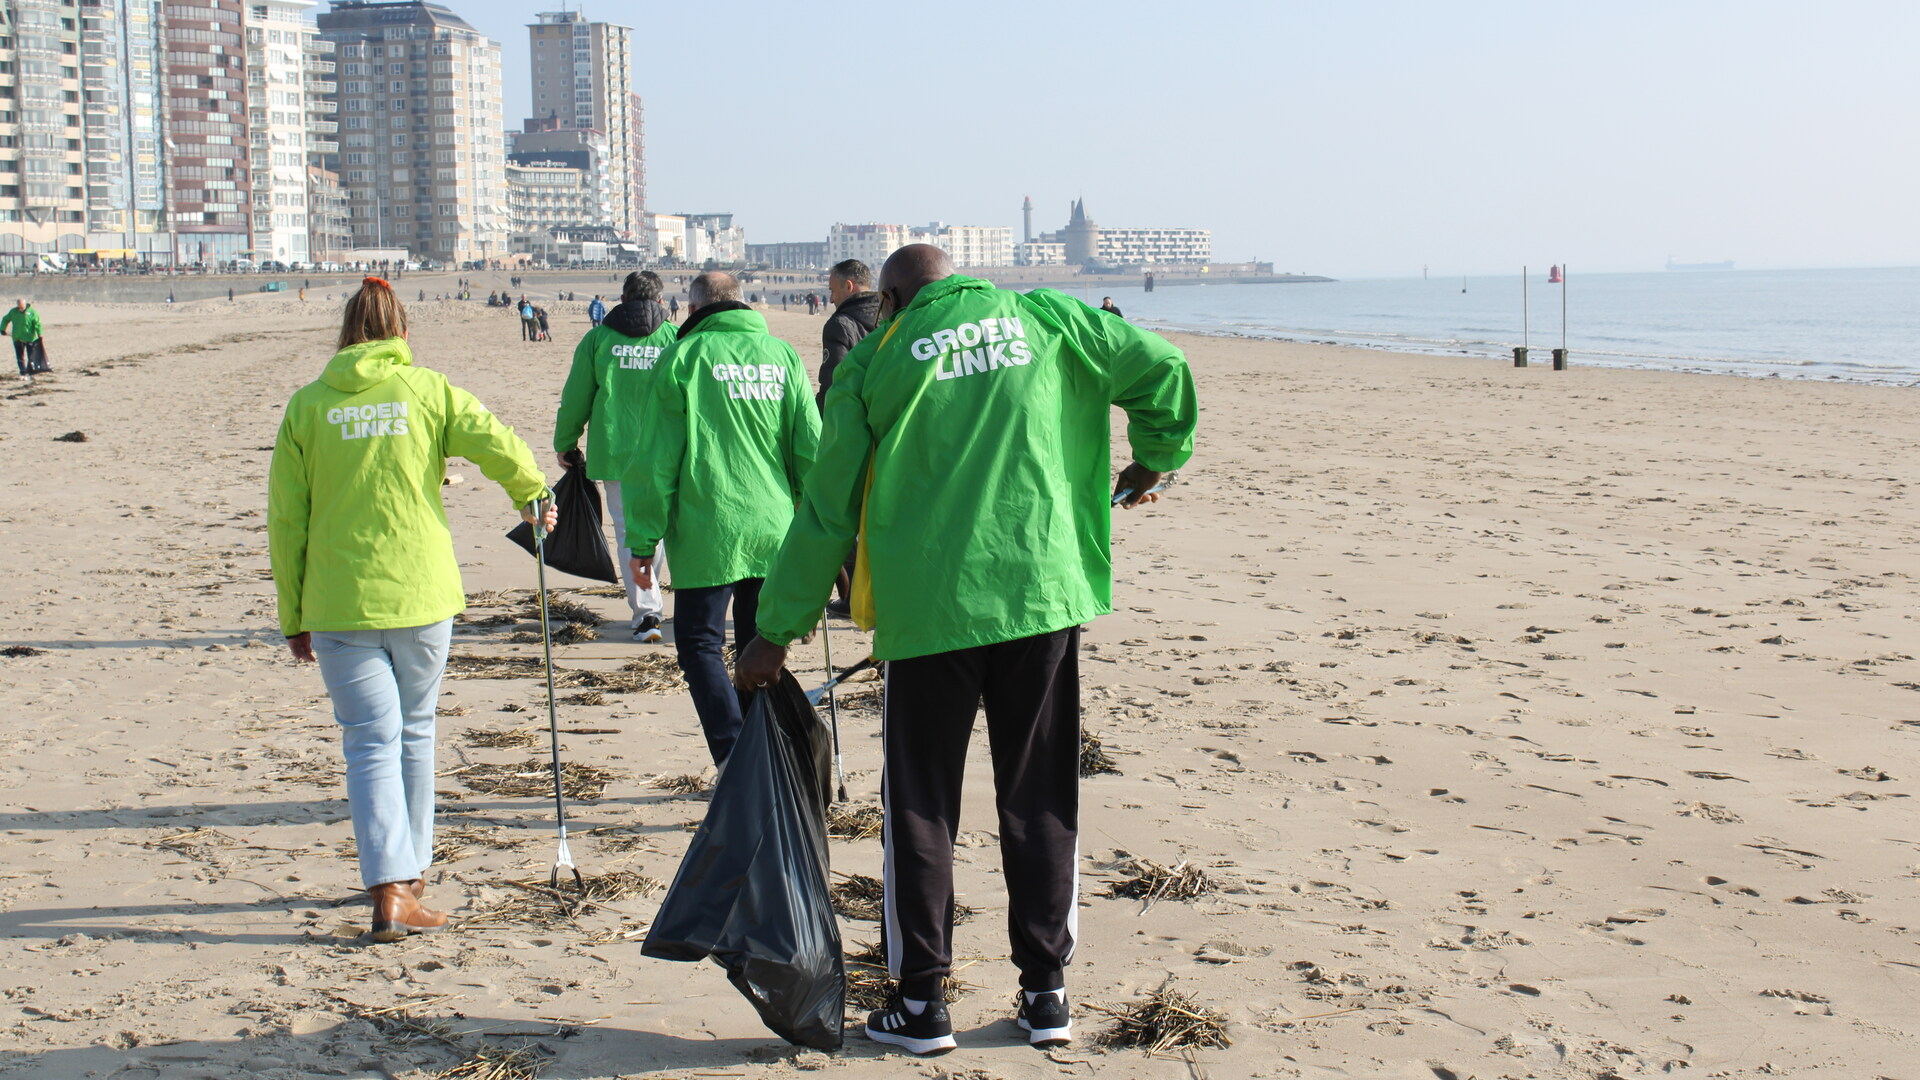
1031,689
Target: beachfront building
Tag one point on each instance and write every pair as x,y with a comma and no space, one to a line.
289,120
550,191
422,146
1039,253
713,240
583,81
1085,243
871,242
329,227
43,198
968,245
209,183
665,238
789,255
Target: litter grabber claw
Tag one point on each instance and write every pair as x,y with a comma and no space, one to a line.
1165,483
819,693
563,858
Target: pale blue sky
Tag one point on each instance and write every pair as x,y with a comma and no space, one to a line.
1352,139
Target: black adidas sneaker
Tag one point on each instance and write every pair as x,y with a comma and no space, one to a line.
1045,1018
931,1032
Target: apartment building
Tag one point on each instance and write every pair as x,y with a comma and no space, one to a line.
422,141
582,79
209,185
871,242
289,121
43,197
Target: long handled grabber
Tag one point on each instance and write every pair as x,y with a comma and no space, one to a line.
819,693
1165,483
565,856
833,707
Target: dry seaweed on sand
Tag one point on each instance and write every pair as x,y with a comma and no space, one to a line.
319,771
611,592
586,697
22,650
499,619
620,840
655,673
684,784
535,902
854,821
492,598
195,843
498,739
575,633
498,1063
1148,880
534,778
1166,1019
863,897
1094,758
869,986
572,611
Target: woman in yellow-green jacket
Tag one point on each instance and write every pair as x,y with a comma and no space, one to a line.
367,579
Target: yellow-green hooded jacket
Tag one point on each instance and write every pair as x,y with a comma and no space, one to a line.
355,526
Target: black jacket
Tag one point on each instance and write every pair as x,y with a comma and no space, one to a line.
851,321
635,318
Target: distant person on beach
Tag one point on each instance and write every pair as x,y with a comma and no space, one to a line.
22,324
596,311
967,447
529,327
714,473
367,578
1106,305
813,304
673,308
856,310
607,394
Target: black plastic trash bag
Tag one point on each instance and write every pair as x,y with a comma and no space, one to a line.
752,890
576,545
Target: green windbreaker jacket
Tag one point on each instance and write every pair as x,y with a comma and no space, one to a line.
966,442
730,433
355,526
22,325
605,393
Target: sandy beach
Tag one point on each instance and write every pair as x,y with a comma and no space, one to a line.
1527,724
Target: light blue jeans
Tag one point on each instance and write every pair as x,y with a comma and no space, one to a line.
385,685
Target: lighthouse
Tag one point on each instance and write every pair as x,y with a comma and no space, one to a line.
1026,213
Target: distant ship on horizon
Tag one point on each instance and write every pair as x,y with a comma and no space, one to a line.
1671,265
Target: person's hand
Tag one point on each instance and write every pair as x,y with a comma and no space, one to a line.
1139,480
643,572
575,458
760,665
551,515
301,646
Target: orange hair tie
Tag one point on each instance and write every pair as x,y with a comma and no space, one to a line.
382,282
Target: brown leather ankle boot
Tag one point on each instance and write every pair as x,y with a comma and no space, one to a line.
419,887
396,913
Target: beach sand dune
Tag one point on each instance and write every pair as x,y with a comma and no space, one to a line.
1524,724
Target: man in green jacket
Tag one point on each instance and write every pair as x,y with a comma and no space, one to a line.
966,445
729,434
23,325
606,394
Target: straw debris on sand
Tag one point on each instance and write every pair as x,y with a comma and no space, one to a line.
863,897
497,1063
21,650
1093,758
534,778
572,611
535,902
854,821
1166,1019
684,784
586,697
498,739
575,633
868,984
488,1060
1148,880
650,676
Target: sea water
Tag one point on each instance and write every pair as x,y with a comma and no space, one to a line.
1855,325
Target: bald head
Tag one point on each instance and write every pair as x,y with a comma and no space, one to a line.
909,270
712,287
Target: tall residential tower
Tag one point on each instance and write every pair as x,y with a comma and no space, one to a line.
583,81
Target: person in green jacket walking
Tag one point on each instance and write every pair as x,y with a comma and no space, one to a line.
967,446
714,472
366,575
23,325
606,394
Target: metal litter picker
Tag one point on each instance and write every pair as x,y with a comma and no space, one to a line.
833,706
564,857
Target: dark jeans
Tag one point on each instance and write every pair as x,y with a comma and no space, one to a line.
699,632
1031,690
21,351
